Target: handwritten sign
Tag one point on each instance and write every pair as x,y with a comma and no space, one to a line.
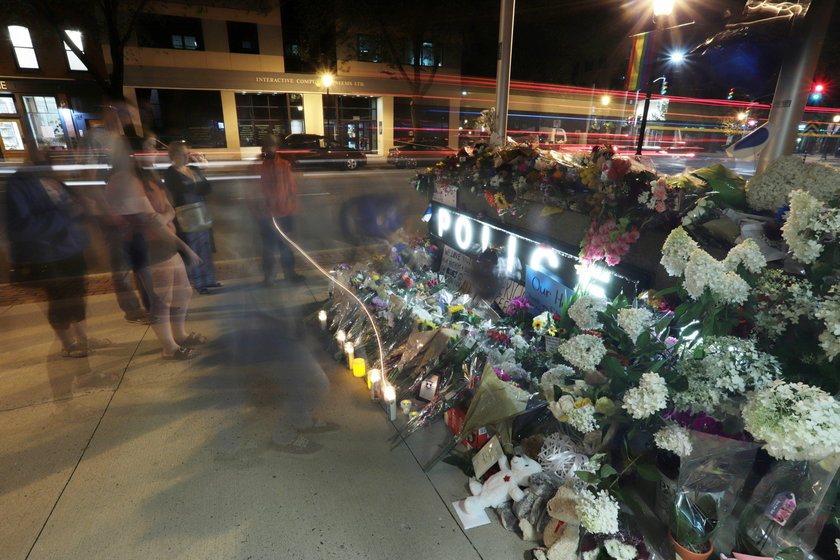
544,291
509,291
455,265
445,195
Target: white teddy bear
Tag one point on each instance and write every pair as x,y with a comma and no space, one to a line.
502,486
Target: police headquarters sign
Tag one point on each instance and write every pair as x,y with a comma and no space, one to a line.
550,268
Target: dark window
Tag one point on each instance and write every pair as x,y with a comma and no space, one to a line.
262,114
169,32
191,115
429,55
369,49
242,37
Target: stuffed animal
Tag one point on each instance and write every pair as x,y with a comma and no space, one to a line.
562,533
502,486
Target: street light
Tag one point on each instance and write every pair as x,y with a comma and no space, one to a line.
663,7
327,81
835,118
660,8
605,100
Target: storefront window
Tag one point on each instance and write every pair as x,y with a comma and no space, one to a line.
7,105
430,125
357,126
10,135
261,114
191,115
45,121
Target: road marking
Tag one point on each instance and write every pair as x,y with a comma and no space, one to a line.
314,194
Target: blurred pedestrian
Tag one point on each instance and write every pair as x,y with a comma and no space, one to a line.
188,186
277,199
48,240
135,196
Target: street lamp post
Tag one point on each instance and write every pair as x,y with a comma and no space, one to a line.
661,9
327,81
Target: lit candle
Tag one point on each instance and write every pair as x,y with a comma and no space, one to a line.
341,336
359,367
391,398
322,316
374,378
350,351
405,405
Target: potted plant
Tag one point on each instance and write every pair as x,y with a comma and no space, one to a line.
694,520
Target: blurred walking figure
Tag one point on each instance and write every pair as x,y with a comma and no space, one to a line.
142,204
277,198
47,243
189,189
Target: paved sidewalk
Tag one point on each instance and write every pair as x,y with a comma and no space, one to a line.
125,456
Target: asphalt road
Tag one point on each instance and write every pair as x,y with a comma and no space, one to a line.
338,210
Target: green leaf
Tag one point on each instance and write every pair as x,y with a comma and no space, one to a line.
607,470
587,476
612,366
648,472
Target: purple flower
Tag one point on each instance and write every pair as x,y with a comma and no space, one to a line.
379,304
500,373
518,304
707,424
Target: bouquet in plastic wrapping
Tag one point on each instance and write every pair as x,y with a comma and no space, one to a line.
788,509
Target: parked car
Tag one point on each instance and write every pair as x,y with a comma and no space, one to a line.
412,154
313,150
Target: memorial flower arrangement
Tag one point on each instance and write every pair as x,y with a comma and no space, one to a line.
628,380
771,189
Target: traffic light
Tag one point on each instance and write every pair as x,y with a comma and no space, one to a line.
731,93
817,92
664,89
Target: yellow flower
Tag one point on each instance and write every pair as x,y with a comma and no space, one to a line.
538,324
501,201
552,332
456,308
580,403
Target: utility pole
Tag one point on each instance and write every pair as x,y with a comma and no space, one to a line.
498,136
793,85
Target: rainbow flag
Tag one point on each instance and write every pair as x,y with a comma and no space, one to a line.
641,61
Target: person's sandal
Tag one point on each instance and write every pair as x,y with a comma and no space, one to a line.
181,354
300,446
193,339
75,350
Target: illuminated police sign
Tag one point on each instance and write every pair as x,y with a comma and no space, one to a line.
544,263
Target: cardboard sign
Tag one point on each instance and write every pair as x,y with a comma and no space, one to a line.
509,291
456,265
545,291
445,195
487,456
